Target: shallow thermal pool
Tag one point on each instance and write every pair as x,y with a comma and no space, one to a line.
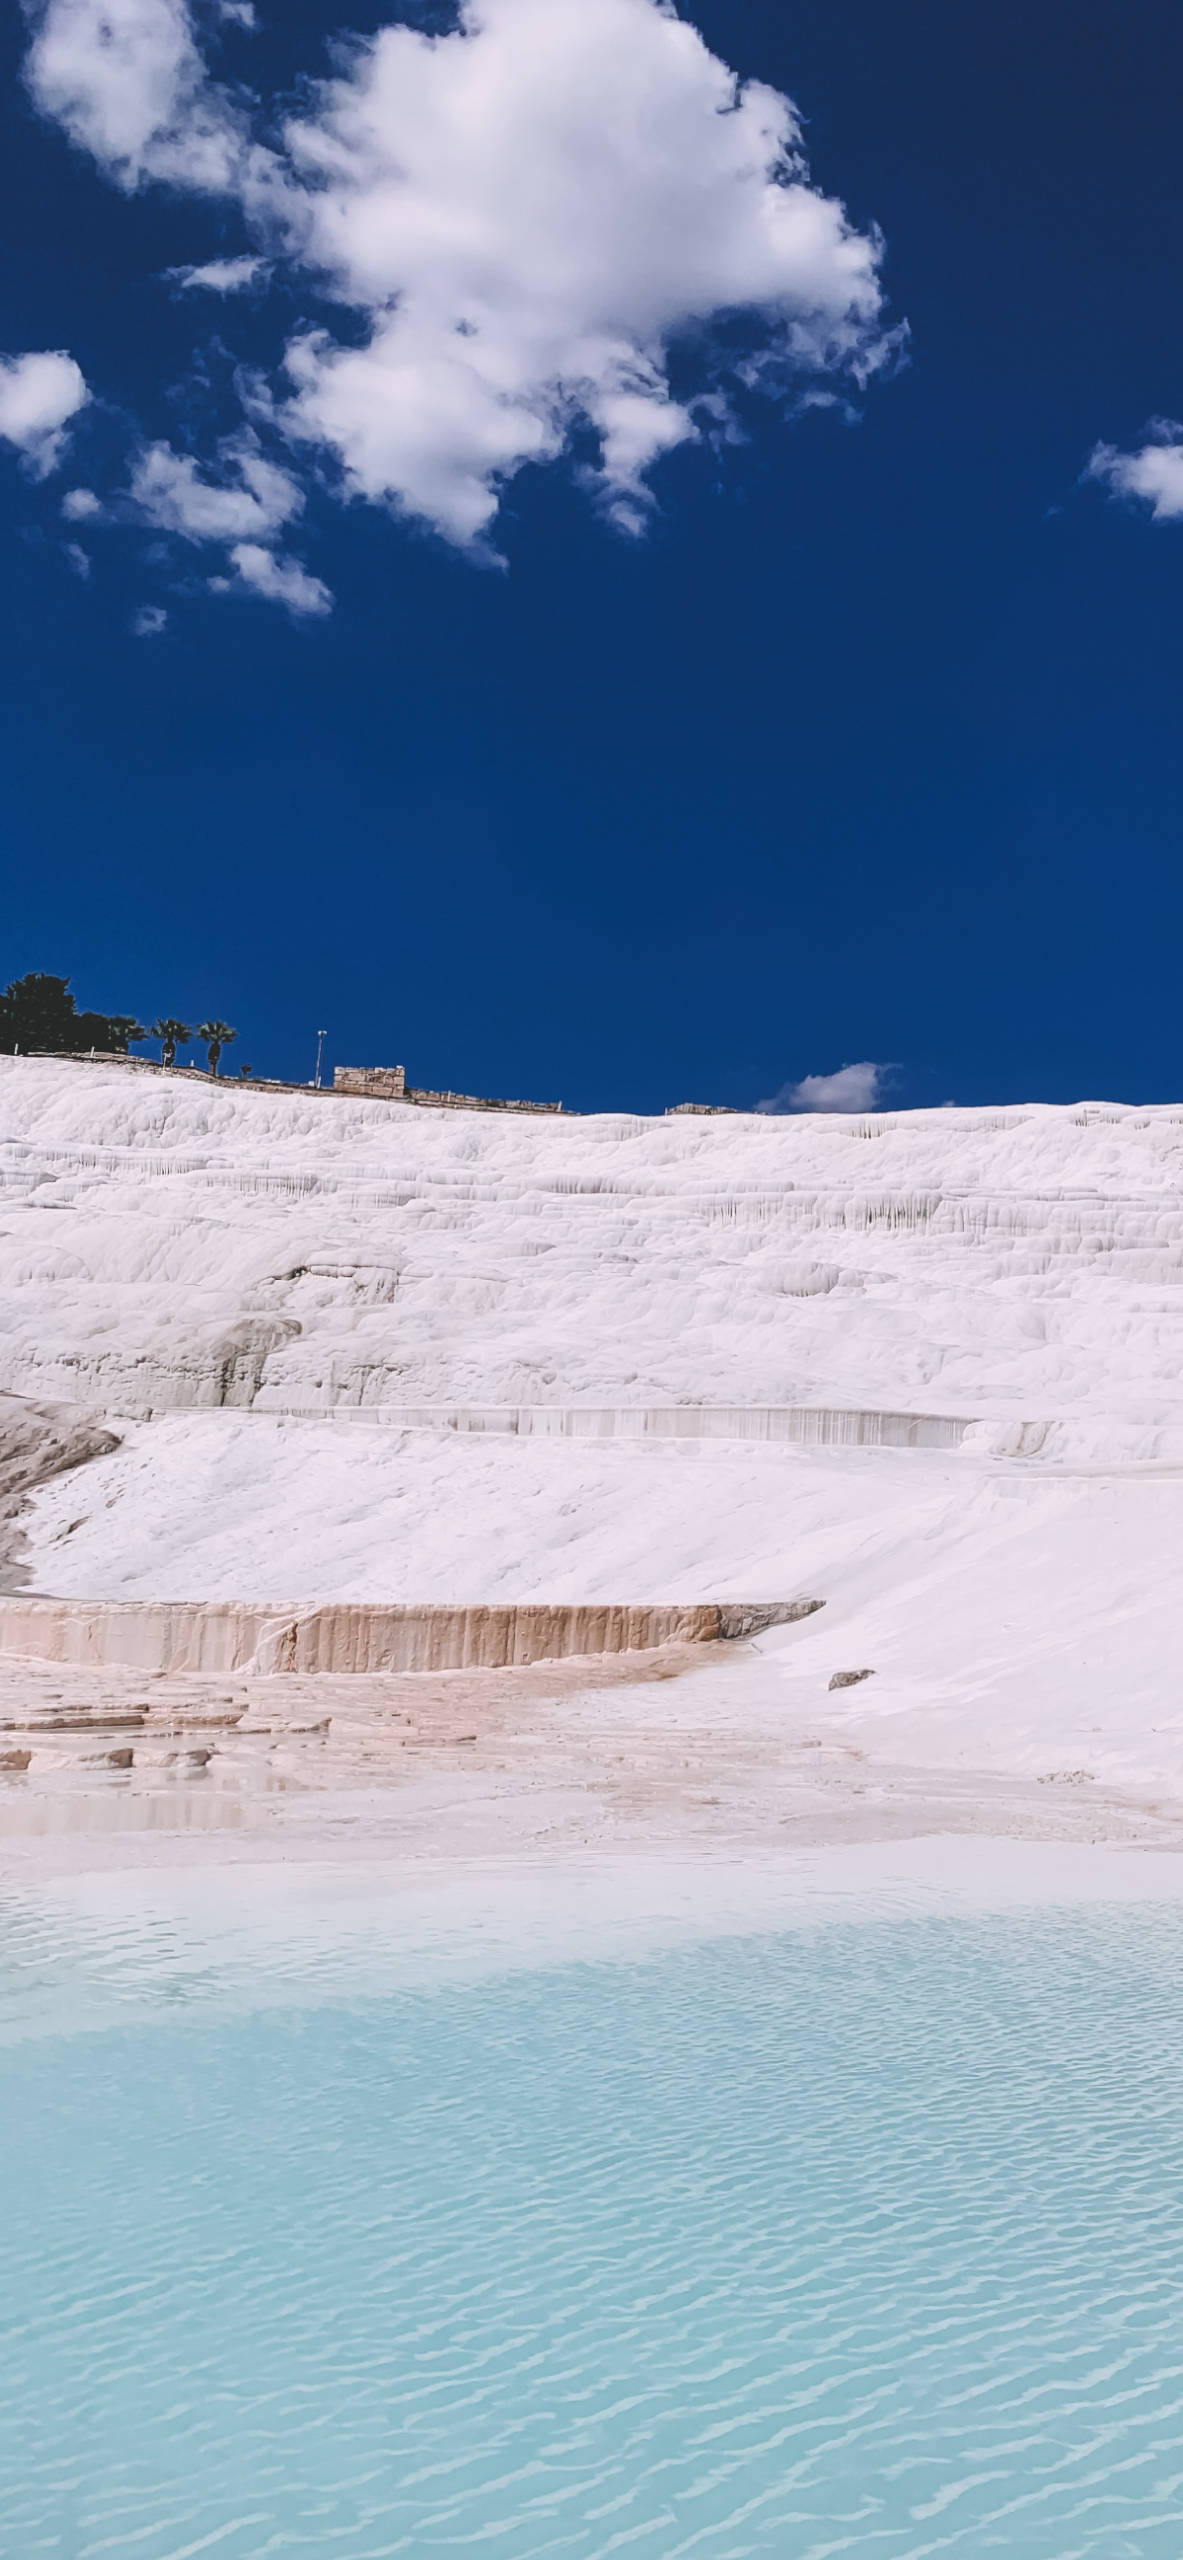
861,2239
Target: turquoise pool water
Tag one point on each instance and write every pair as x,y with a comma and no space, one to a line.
865,2240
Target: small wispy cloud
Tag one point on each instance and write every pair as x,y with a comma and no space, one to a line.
220,275
281,580
1153,473
242,498
149,621
854,1088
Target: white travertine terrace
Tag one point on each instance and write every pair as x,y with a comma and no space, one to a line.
362,1358
167,1245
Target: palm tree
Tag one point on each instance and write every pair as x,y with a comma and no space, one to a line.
172,1036
217,1036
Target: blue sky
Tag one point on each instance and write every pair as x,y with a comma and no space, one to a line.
552,626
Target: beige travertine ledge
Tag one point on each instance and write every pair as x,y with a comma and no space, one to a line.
224,1636
811,1426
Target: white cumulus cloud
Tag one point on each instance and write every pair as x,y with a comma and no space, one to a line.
854,1088
148,621
127,81
525,218
39,394
530,211
1154,473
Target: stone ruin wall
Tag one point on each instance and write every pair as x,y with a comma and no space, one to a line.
389,1084
386,1084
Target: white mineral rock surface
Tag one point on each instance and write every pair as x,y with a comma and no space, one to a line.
363,1352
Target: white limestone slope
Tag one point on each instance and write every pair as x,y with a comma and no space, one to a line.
208,1268
167,1245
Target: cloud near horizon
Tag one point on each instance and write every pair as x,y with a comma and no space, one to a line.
518,221
853,1088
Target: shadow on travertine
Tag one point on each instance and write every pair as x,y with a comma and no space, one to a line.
38,1442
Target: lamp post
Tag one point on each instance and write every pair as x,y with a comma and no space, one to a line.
321,1037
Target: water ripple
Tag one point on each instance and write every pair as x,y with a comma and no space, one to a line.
865,2244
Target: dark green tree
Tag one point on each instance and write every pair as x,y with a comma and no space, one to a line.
38,1012
172,1036
123,1030
217,1036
